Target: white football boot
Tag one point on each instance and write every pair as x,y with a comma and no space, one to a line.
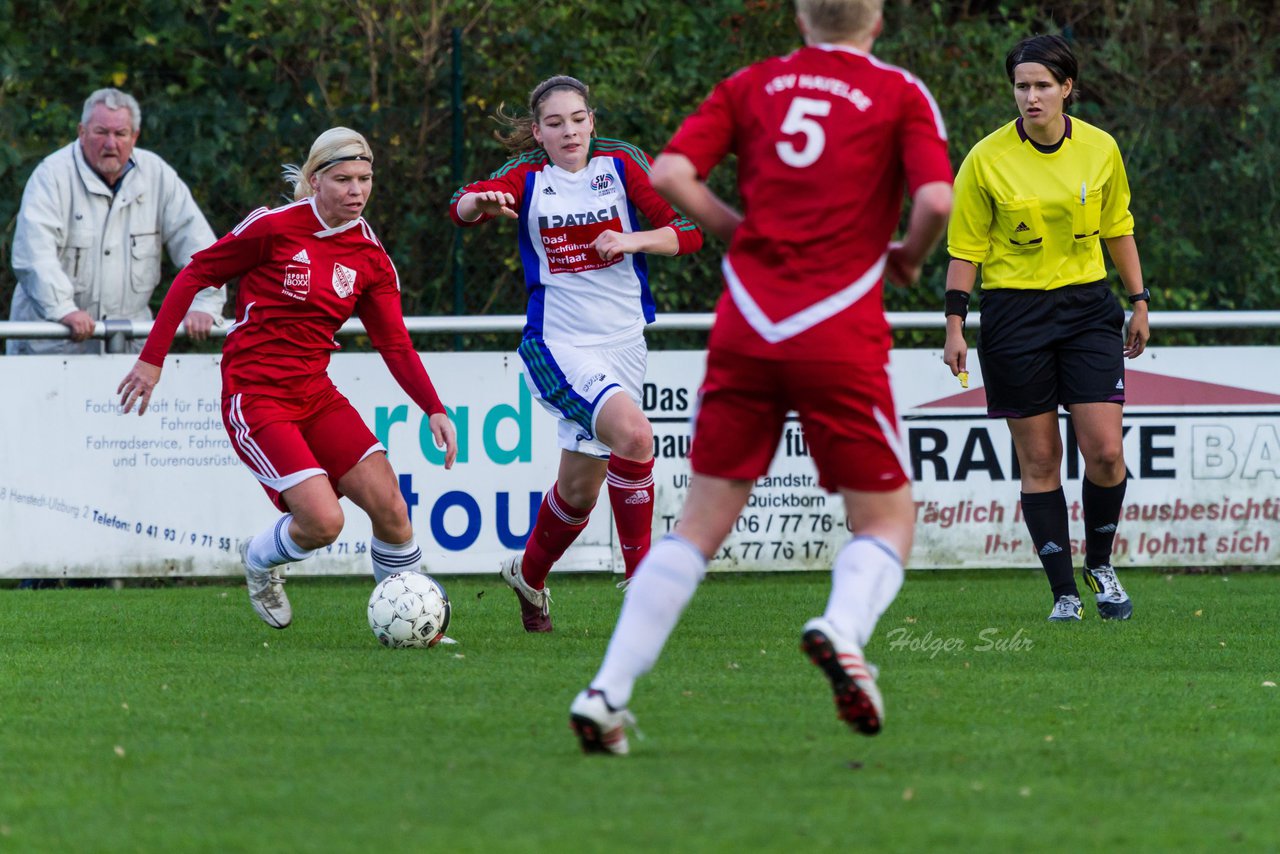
535,605
853,681
600,728
266,592
1066,609
1113,602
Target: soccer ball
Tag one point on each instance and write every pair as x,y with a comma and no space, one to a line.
409,609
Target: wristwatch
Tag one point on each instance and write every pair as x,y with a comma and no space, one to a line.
1143,295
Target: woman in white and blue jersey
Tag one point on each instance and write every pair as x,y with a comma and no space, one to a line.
576,199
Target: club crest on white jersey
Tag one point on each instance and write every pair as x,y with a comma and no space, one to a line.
602,182
344,280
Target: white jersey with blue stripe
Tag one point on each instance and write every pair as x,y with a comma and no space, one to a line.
575,296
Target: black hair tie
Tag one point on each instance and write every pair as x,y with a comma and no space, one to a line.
325,165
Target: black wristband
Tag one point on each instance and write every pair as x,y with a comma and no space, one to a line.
957,302
1143,295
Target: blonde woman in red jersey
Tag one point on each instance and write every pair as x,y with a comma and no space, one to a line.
828,138
305,269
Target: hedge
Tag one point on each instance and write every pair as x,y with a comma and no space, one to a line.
231,90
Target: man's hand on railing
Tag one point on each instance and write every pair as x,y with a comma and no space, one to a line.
198,324
80,323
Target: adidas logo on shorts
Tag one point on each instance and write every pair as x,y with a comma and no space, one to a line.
1022,226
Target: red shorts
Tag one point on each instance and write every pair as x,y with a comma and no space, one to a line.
284,441
846,409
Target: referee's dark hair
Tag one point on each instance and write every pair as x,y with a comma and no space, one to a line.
1052,52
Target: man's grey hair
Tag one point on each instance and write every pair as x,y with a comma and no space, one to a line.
112,99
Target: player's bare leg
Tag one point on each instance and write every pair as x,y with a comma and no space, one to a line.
371,484
580,477
317,518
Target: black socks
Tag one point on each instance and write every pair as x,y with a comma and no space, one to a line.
1046,517
1102,505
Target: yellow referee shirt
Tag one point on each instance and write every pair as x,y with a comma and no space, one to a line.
1033,220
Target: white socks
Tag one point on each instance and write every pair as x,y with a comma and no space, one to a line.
389,559
864,581
274,547
662,586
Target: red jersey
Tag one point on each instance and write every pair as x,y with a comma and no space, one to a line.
827,138
300,280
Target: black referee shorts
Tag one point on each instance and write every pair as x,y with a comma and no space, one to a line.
1042,349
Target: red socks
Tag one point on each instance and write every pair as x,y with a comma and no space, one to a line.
557,526
631,496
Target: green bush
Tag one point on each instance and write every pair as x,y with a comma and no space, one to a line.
233,89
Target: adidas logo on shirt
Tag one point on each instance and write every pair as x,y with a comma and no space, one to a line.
1022,226
302,257
548,191
1050,548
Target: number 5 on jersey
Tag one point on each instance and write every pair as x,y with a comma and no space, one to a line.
800,120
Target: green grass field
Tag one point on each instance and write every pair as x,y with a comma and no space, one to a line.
170,719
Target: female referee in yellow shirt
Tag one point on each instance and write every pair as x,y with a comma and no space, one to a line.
1033,201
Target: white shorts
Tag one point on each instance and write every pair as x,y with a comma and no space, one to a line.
573,383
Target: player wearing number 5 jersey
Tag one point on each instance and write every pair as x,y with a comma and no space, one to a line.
304,270
827,138
577,200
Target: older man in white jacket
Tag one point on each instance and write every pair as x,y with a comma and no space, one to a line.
93,218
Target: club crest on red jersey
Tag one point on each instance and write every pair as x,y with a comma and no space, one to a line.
297,281
344,280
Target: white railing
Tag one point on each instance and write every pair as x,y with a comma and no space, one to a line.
128,329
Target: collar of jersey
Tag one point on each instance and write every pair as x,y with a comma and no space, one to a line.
327,231
1044,149
842,48
573,176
